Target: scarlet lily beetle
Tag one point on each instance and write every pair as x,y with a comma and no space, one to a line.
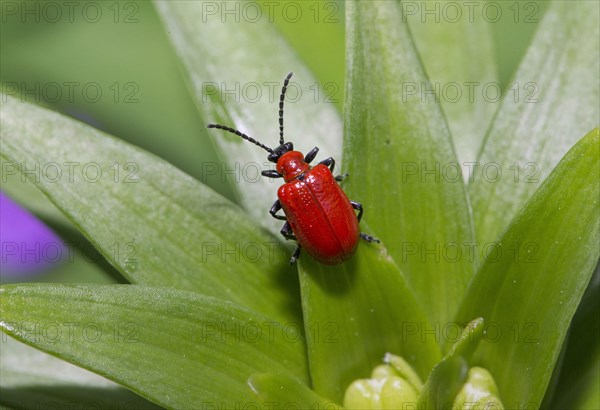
318,214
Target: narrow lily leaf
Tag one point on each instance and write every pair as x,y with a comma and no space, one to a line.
32,380
401,160
154,223
175,348
357,312
578,386
458,55
555,100
236,73
280,392
449,375
528,289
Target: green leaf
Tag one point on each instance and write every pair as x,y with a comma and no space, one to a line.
578,386
155,224
421,217
357,312
236,85
458,56
32,380
554,99
278,391
176,348
528,289
449,375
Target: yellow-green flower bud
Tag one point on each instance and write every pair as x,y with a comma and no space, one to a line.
397,393
362,394
386,389
479,392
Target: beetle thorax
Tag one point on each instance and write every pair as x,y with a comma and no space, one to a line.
291,164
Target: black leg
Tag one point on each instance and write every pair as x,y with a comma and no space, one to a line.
311,155
276,208
271,173
340,178
358,206
295,255
330,162
287,232
369,238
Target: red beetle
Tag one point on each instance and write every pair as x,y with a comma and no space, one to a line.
318,214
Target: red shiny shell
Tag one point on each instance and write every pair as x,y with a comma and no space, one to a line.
321,216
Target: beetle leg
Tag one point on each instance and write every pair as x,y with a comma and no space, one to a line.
341,177
369,238
295,255
287,232
358,206
311,155
271,173
276,208
330,162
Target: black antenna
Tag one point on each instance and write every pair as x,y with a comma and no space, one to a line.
241,134
281,98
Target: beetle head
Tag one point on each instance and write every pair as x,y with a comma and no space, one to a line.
279,151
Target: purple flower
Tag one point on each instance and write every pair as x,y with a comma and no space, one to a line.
27,245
